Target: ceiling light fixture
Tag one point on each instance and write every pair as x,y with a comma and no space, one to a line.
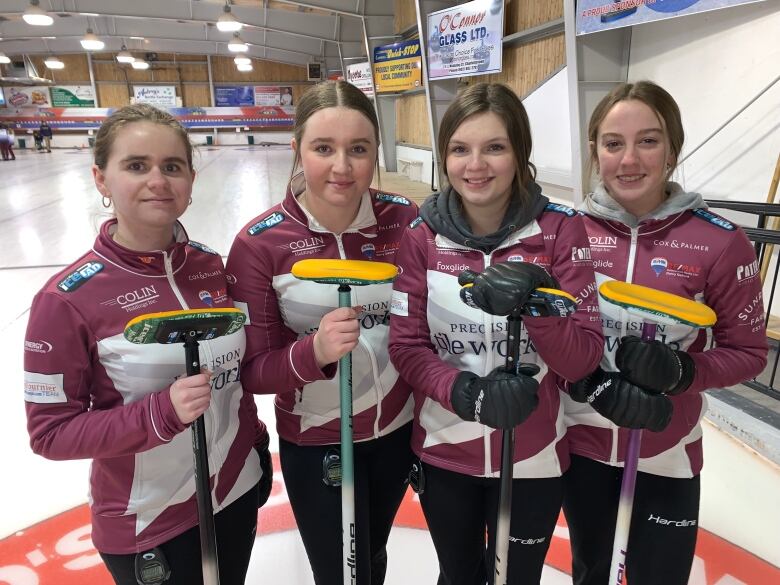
36,16
244,68
236,45
124,56
139,64
242,61
91,42
53,62
227,22
4,58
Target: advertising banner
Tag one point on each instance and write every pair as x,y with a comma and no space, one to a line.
273,95
397,67
466,40
156,95
597,15
359,75
234,95
35,95
72,96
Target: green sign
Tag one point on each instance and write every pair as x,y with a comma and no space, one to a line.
72,96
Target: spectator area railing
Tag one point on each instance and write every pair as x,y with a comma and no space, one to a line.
765,236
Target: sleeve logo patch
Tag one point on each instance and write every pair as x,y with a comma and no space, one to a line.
415,222
202,247
44,388
393,199
399,303
274,219
714,219
81,275
558,208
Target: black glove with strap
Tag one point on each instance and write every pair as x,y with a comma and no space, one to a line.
501,399
504,287
623,403
654,366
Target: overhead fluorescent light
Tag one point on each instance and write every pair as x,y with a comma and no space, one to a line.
36,16
91,42
244,68
53,62
4,58
124,56
242,61
227,22
236,45
139,64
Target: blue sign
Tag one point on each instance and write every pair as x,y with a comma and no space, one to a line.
234,95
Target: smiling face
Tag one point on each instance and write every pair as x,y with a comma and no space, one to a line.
338,152
481,164
149,181
632,150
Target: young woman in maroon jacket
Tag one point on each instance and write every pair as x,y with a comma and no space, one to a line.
491,219
90,393
644,228
297,333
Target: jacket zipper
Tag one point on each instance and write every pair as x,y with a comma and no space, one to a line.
487,431
207,423
624,316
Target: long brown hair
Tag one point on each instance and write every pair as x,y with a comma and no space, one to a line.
502,101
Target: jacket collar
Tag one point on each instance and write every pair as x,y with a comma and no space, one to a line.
147,262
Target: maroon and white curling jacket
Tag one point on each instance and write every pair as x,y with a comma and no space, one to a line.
285,312
435,336
685,249
90,394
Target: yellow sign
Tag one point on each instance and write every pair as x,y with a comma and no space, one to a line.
397,67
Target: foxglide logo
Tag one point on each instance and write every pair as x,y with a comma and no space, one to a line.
599,389
351,562
478,405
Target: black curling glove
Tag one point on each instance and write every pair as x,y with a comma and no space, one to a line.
501,399
503,288
654,366
623,403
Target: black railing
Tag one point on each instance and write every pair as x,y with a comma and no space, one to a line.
763,238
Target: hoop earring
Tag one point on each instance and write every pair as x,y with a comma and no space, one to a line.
190,203
103,201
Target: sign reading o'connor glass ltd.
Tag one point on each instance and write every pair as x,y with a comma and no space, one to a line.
466,39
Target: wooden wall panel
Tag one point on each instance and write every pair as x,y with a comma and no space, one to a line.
113,95
196,96
527,66
411,120
76,70
404,15
223,69
523,14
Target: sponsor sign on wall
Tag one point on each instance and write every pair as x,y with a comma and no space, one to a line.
397,67
234,95
156,95
72,96
598,15
273,95
359,75
19,97
466,39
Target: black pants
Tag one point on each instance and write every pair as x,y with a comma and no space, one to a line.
664,524
381,469
458,507
235,527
